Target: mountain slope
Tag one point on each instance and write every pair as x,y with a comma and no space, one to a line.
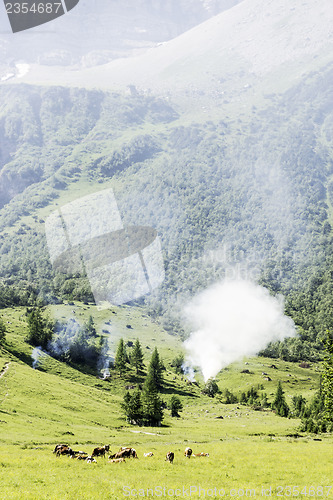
255,39
247,195
96,32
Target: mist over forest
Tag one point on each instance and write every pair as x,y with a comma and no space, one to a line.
222,142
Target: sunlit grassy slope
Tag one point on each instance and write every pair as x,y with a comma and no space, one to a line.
248,449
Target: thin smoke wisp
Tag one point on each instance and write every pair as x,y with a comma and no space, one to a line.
36,356
231,320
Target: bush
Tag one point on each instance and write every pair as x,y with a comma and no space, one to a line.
229,397
211,388
175,406
177,364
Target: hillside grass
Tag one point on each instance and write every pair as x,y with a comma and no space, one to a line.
249,450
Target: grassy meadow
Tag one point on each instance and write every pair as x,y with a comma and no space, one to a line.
248,450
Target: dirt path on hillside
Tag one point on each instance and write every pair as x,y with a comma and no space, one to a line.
5,369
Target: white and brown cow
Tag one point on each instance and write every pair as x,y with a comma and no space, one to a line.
170,456
100,452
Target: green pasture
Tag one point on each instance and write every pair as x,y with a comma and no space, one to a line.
248,450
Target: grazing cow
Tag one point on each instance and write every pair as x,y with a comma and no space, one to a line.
188,452
170,457
64,450
131,451
117,460
202,454
149,454
125,453
100,452
60,446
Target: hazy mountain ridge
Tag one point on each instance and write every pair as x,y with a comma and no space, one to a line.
96,32
252,43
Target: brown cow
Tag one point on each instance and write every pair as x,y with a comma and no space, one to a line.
120,454
170,457
188,452
100,452
59,446
131,450
202,454
64,450
125,453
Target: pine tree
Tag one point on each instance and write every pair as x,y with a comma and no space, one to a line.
279,404
39,329
3,331
137,357
155,369
89,327
132,407
327,379
299,405
121,357
151,402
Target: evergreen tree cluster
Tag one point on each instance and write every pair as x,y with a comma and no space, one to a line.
143,407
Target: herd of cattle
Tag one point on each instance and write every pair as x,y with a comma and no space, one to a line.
119,457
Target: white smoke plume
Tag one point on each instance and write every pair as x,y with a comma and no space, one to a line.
104,360
188,371
230,320
36,354
63,339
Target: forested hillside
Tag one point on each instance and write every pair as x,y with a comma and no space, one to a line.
231,194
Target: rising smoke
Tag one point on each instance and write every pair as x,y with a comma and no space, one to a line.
36,356
230,320
74,342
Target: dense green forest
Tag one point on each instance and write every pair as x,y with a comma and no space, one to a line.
236,195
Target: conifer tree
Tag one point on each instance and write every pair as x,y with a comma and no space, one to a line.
132,407
155,369
121,357
89,327
151,402
137,357
279,404
39,329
